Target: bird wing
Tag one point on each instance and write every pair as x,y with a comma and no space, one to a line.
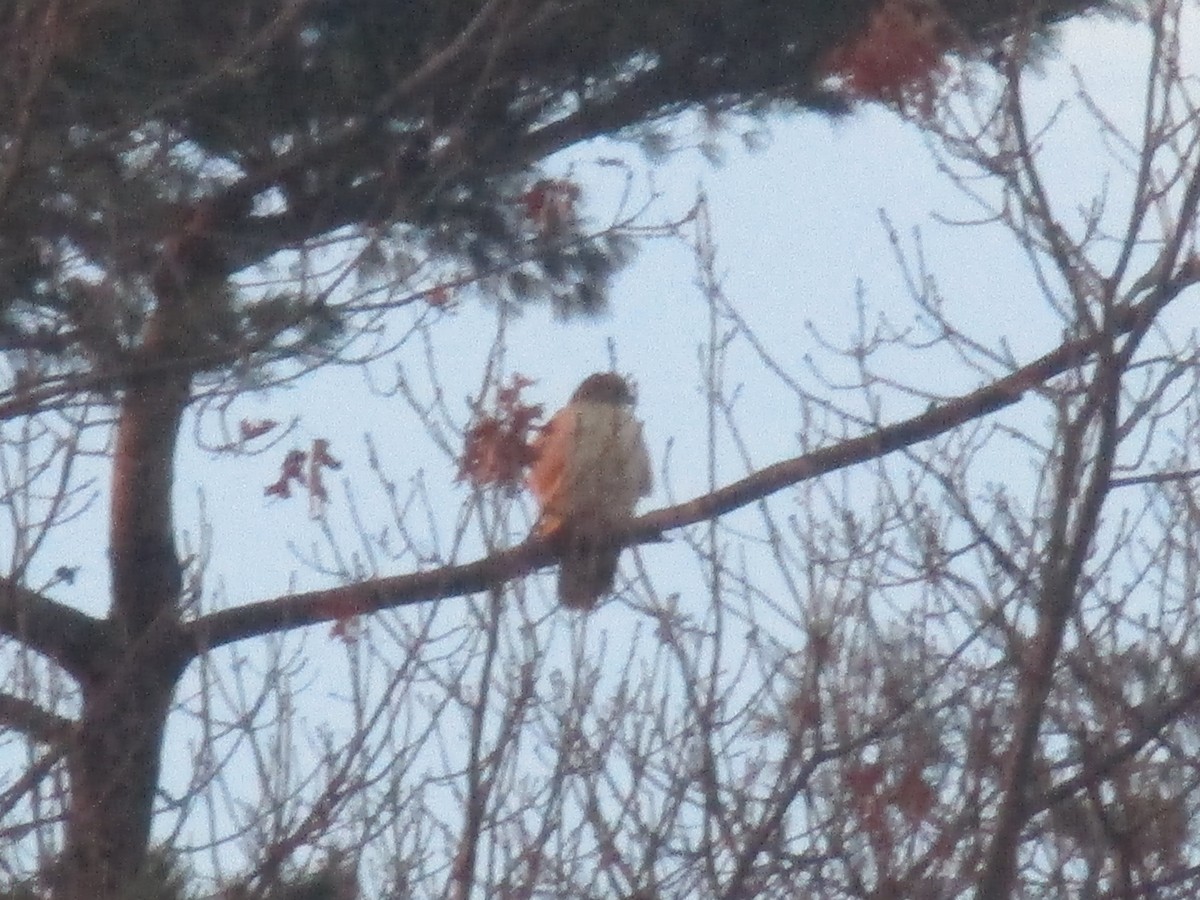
548,475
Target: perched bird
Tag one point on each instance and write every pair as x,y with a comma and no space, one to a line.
590,468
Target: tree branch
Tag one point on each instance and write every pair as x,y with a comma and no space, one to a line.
69,637
33,721
297,610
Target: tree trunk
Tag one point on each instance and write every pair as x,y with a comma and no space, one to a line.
114,770
114,762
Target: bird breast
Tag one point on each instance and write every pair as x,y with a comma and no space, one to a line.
609,468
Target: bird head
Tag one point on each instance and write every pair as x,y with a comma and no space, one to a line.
604,387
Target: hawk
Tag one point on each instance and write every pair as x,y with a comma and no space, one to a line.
590,468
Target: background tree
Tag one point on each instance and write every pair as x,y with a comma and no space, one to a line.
199,202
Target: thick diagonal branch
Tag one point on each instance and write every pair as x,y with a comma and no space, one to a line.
65,635
297,610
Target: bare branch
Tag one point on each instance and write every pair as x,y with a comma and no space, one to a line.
69,637
298,610
34,721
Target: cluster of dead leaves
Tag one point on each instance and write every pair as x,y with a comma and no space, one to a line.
305,469
875,788
900,57
551,206
499,443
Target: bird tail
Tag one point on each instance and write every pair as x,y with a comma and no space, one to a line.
587,571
